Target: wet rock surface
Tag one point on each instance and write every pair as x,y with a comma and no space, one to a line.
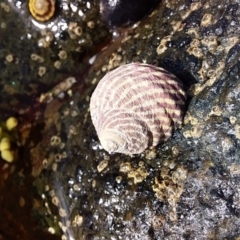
186,188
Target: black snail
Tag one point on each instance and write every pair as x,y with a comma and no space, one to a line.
124,12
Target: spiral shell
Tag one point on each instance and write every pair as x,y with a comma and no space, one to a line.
136,106
42,10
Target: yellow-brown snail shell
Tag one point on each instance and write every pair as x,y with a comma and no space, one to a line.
42,10
136,106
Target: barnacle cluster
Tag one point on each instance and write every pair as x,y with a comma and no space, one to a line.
137,174
54,158
58,90
171,185
5,140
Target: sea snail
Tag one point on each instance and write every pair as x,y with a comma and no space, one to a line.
118,13
136,106
42,10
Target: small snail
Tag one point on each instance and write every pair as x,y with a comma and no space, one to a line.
42,10
124,12
136,106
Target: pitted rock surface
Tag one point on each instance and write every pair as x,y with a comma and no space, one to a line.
186,188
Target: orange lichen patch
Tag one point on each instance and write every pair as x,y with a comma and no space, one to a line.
42,10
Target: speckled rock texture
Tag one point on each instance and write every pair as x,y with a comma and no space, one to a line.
36,56
186,188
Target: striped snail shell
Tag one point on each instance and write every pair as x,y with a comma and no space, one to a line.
136,106
42,10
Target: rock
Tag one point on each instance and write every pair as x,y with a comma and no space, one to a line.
190,189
